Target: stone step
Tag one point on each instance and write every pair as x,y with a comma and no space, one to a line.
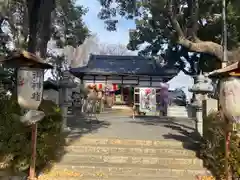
170,114
129,142
57,177
150,161
177,107
110,170
130,151
177,112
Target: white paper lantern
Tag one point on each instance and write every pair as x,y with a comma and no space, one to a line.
30,87
229,98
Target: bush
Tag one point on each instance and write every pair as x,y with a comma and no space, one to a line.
213,148
15,142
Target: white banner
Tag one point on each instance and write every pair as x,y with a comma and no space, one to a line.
147,100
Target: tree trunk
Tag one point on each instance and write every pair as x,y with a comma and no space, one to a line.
45,33
211,48
33,14
203,47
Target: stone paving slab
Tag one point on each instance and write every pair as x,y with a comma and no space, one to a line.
122,126
131,150
153,162
126,171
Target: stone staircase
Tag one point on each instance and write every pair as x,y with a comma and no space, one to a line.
177,111
117,159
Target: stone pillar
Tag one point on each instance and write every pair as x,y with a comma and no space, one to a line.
65,84
200,89
197,107
64,108
199,121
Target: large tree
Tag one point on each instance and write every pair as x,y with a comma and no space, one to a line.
184,25
32,23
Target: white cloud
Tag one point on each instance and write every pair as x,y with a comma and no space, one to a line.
182,81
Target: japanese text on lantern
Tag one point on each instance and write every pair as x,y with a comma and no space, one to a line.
37,85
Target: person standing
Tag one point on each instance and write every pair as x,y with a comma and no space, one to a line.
164,99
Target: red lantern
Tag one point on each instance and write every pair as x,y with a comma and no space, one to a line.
115,87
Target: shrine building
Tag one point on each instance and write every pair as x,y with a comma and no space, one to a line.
121,74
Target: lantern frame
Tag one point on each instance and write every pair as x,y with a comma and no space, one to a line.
230,70
25,61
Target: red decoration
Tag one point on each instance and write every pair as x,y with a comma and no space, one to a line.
100,86
147,91
115,87
21,81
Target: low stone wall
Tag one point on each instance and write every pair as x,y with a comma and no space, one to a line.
209,106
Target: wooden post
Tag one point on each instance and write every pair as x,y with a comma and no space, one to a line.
121,89
227,149
225,58
32,173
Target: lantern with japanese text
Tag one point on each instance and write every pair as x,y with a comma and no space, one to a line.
30,72
229,91
30,87
229,98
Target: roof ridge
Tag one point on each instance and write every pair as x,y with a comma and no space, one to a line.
118,57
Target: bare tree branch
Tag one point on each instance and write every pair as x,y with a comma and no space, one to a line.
113,49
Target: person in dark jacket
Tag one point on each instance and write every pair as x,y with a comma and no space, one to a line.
164,99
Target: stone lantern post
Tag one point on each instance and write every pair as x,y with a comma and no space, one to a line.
201,88
65,84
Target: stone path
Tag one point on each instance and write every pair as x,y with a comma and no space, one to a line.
113,124
115,147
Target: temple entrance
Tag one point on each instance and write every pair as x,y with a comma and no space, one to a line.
124,96
117,76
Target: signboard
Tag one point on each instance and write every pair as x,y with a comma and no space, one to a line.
30,88
147,100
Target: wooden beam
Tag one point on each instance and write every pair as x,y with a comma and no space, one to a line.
106,80
237,74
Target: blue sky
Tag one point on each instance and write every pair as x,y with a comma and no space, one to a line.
121,36
97,26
